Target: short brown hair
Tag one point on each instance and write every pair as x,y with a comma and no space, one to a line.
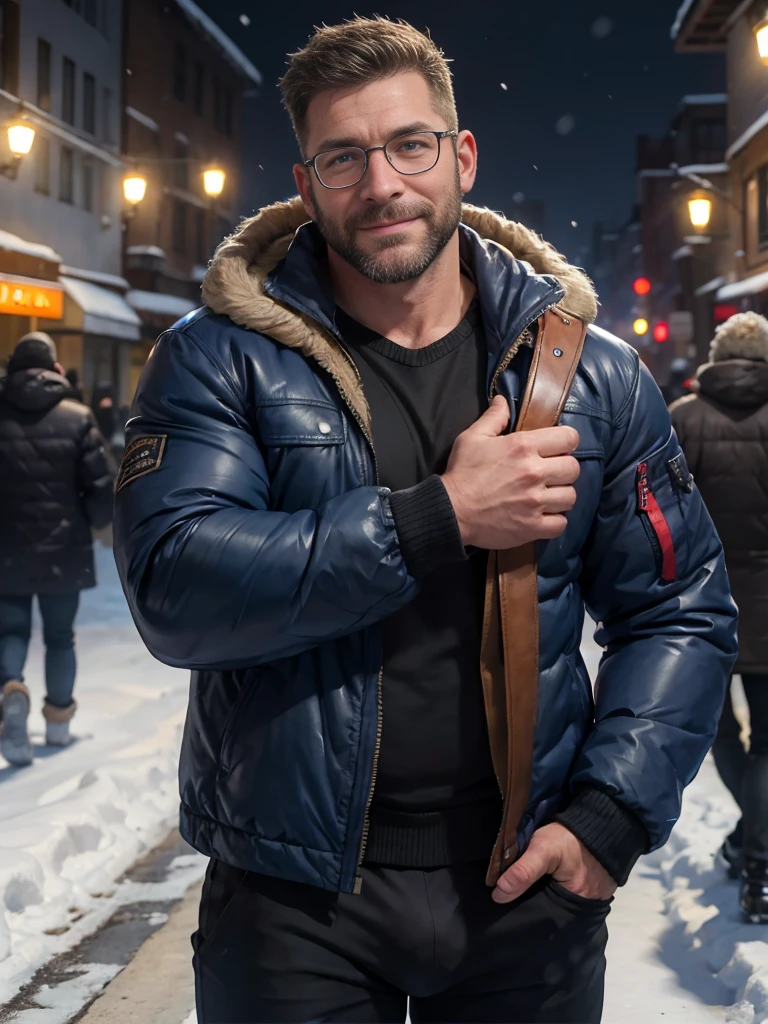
359,51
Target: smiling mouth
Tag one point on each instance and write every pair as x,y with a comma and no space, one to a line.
388,229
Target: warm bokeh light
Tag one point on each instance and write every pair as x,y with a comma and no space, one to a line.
213,181
641,286
700,211
20,138
134,188
761,34
640,326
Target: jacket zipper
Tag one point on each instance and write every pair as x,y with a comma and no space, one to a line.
657,526
358,887
514,348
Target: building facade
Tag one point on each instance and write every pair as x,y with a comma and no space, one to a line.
728,26
60,233
184,92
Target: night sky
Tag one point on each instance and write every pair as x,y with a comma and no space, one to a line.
606,67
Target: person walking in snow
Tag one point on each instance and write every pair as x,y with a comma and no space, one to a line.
318,477
724,432
56,486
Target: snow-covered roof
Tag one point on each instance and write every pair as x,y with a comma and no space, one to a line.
682,252
682,14
710,286
142,119
145,250
13,243
750,286
157,302
233,53
703,169
97,276
754,129
104,311
198,273
704,99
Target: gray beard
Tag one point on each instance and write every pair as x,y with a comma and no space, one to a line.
441,226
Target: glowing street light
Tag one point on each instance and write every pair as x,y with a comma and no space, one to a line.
20,138
641,286
761,35
213,181
134,188
640,326
700,211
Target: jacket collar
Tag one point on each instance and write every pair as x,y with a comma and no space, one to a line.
270,276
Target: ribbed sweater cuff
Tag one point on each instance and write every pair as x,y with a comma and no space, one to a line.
611,832
426,526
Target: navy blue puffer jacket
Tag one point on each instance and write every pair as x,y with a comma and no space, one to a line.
257,550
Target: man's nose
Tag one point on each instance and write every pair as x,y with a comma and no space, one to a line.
381,182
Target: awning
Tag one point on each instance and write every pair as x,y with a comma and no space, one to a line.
160,304
739,289
710,286
100,311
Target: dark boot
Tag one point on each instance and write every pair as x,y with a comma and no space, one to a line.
731,852
754,890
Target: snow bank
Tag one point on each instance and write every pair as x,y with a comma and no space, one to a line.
77,819
702,903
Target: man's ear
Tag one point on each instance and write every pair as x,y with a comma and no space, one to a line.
301,177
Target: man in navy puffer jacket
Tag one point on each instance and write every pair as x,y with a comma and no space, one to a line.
316,466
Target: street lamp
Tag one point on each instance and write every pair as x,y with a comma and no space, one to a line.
134,188
761,35
20,139
213,182
700,211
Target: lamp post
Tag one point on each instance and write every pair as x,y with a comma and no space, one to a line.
21,136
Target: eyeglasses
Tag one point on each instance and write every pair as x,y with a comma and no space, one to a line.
413,153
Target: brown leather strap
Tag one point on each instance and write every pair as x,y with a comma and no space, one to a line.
512,599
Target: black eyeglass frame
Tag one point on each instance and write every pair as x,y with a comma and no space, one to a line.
453,133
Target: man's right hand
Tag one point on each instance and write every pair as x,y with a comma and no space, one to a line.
509,489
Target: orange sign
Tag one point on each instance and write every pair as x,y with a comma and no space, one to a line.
26,297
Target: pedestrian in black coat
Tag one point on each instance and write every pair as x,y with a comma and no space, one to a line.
723,430
56,487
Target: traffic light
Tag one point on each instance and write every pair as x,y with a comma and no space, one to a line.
640,326
661,332
641,286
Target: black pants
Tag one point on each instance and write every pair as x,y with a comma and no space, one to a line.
746,774
269,950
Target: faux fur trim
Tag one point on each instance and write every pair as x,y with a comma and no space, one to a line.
234,283
54,714
742,336
14,686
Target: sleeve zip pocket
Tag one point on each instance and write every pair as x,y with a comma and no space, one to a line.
656,525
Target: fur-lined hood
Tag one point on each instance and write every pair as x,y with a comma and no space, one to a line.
234,283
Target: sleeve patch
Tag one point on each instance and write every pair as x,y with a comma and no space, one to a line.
142,456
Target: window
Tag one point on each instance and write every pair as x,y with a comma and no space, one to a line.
179,227
201,242
179,72
89,103
9,46
91,12
68,91
181,170
43,74
66,175
227,121
106,117
42,153
88,182
762,207
217,104
222,108
709,140
198,88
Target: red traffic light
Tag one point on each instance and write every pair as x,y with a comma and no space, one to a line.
641,286
661,332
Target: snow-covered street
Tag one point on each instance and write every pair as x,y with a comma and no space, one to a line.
74,822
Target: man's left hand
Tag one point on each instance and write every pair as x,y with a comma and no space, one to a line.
556,851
